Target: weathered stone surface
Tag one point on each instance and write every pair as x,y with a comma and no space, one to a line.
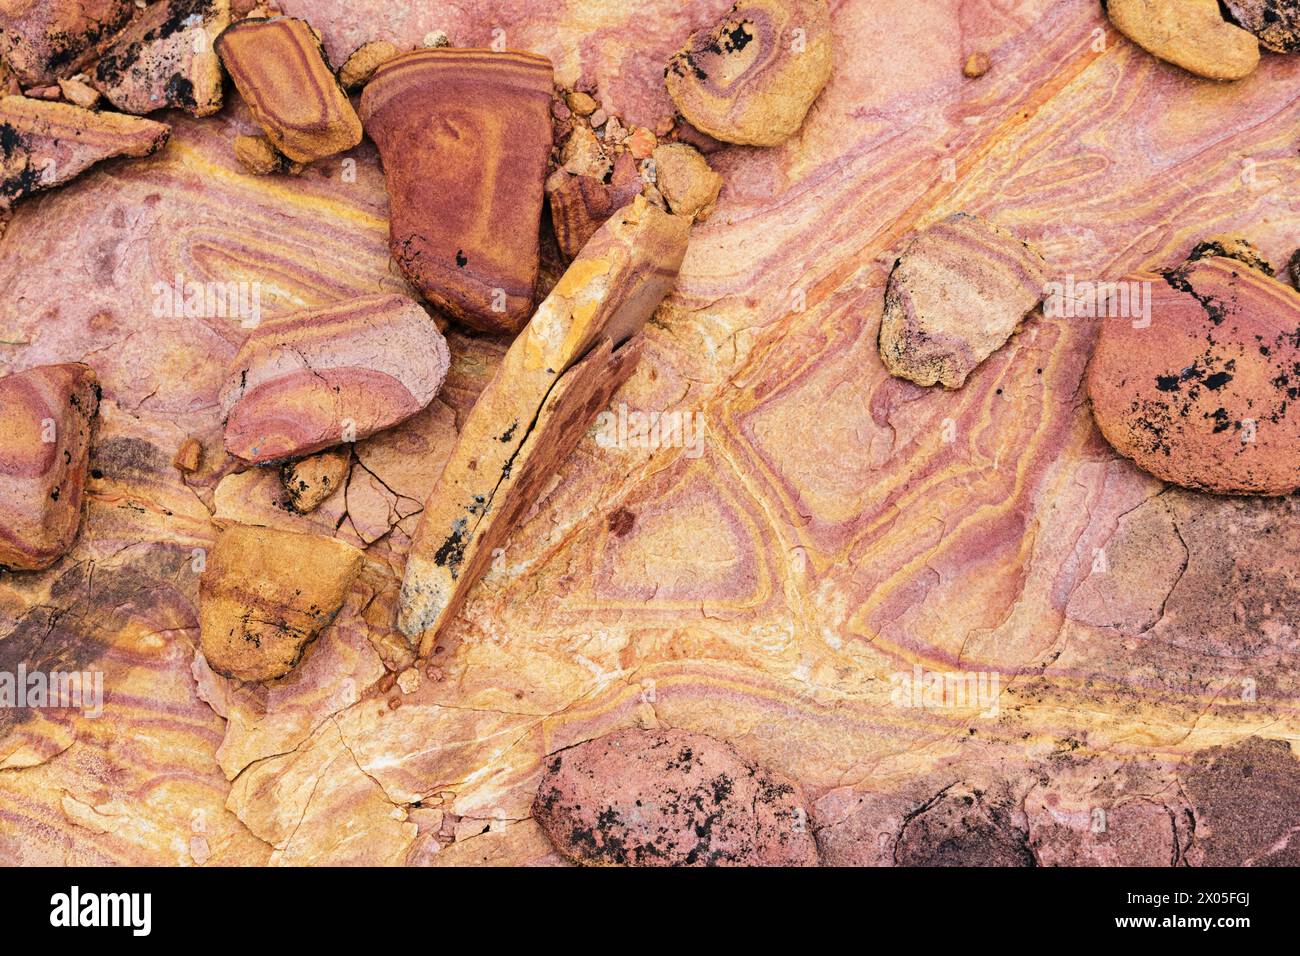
357,70
46,415
46,144
1231,247
309,481
581,204
1247,802
583,155
281,72
964,827
1205,396
465,136
956,294
79,93
165,58
336,374
259,157
686,180
266,594
42,40
670,798
1188,33
746,80
188,457
608,293
1275,22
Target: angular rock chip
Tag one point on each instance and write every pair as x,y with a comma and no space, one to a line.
956,294
42,40
361,65
1232,247
280,70
1275,22
166,59
336,374
581,204
45,423
686,180
747,80
670,798
44,144
188,457
79,93
531,415
1188,33
465,136
1206,395
266,594
310,481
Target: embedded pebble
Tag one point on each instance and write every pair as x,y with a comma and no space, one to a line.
686,180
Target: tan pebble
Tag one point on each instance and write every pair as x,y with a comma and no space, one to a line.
1188,33
361,65
641,143
686,181
188,457
582,154
584,104
599,118
977,64
80,93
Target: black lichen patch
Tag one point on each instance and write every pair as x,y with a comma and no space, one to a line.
963,828
452,550
1241,251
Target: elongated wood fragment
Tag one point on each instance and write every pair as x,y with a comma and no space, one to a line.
523,415
465,136
280,70
46,144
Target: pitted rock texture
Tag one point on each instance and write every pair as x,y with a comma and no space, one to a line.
1275,22
165,58
44,144
1189,33
670,798
266,594
42,40
957,292
1205,396
281,72
1247,800
306,381
752,77
964,827
465,136
46,416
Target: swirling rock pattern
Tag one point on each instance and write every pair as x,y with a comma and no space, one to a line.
752,78
46,144
42,40
955,295
166,58
465,136
280,70
1204,396
266,594
605,296
831,527
670,798
317,378
46,415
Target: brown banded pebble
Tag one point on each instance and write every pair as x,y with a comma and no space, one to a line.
361,65
42,40
280,70
46,144
309,481
325,376
670,798
1206,394
465,138
957,292
1275,22
188,457
46,415
266,594
752,78
536,407
687,182
581,204
1188,33
259,157
165,58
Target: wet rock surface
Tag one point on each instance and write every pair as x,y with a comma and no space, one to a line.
670,798
956,293
46,416
465,136
1204,396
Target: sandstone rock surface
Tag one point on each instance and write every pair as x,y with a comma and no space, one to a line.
42,40
1188,33
752,77
686,180
317,378
581,204
46,144
266,594
1275,22
46,414
1205,397
309,481
957,292
465,136
280,70
357,69
670,798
